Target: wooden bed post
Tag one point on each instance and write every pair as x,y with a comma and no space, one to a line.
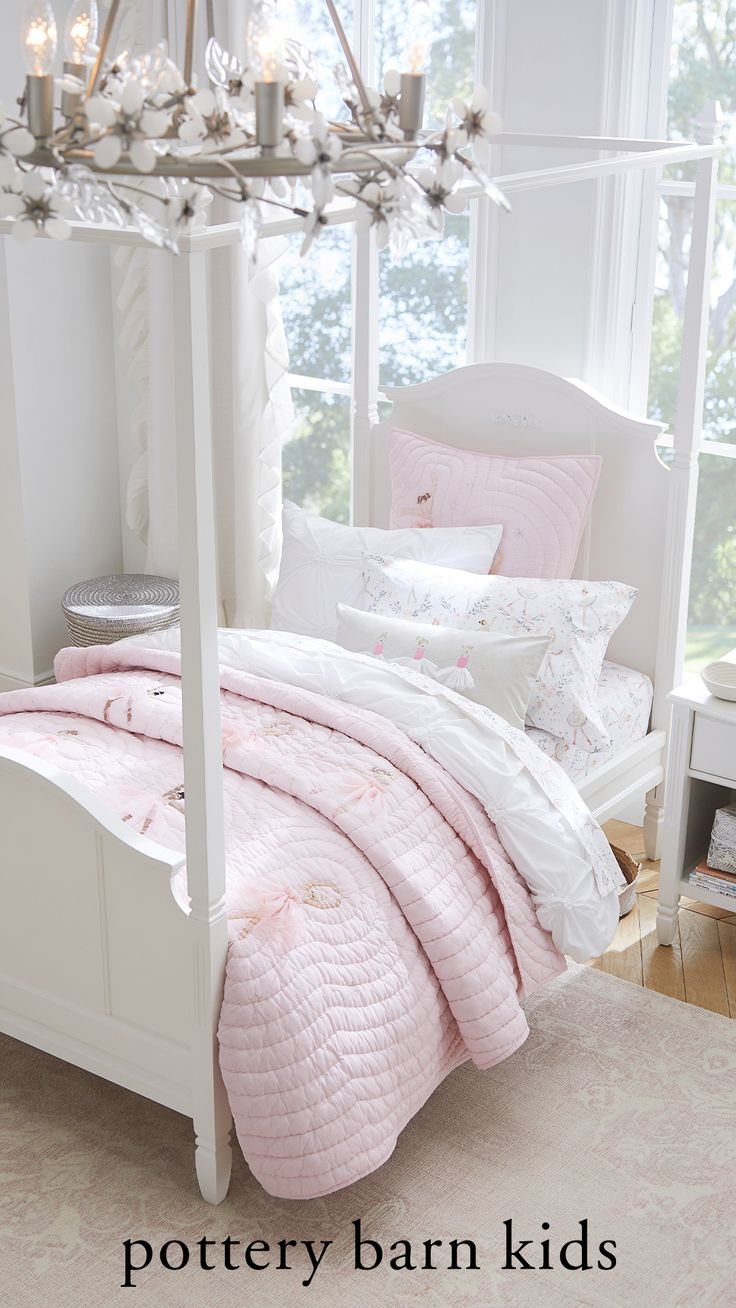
205,836
684,470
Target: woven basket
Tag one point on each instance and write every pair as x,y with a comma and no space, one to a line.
631,870
106,609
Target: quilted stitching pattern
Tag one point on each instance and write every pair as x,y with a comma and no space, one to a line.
413,957
542,503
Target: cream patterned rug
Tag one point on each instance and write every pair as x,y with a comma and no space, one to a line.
619,1111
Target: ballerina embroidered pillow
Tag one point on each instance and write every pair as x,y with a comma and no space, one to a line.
495,670
577,618
542,501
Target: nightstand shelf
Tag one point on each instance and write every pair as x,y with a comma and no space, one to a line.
701,777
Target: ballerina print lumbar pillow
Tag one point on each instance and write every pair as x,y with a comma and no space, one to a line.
493,669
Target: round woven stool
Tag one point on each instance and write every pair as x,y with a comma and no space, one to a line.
105,609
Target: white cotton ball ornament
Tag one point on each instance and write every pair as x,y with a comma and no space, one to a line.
107,151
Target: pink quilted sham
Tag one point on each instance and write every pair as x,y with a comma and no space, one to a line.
541,503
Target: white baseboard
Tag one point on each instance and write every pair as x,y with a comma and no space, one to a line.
11,681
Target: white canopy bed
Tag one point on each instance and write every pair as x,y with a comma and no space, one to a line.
100,965
497,408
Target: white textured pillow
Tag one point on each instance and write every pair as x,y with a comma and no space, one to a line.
492,669
577,617
322,564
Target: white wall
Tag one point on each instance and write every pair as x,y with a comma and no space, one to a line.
58,437
558,293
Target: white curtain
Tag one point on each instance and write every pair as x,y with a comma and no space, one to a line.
251,415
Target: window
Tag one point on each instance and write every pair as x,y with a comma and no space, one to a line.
703,67
424,296
423,306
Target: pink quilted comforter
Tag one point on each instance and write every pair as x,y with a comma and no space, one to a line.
379,933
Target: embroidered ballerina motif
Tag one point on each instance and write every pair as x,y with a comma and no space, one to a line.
367,789
425,503
417,660
321,894
577,720
379,646
458,677
587,606
548,668
114,700
277,729
175,798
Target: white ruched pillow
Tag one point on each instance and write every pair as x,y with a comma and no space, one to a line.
322,564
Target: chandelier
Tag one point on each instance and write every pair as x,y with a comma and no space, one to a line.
135,142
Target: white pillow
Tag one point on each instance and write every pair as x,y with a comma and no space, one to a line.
322,564
577,617
495,670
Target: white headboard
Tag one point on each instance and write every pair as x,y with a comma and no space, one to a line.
504,408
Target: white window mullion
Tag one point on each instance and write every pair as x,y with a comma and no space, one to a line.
490,46
365,308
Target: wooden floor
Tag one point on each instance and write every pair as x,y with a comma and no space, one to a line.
700,965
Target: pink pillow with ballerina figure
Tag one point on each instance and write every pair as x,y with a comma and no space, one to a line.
542,503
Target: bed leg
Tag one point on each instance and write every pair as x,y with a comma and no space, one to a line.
654,822
667,915
213,1160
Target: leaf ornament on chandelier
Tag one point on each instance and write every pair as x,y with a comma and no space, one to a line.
139,143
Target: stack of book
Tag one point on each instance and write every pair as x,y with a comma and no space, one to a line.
711,878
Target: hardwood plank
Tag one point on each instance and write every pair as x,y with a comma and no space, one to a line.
661,967
727,937
702,963
648,878
627,836
708,910
694,906
623,956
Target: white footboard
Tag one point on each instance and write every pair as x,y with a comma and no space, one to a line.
95,953
632,772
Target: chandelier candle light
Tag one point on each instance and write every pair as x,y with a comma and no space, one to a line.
80,38
141,144
266,52
414,82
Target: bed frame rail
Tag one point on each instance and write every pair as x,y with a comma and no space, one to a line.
81,897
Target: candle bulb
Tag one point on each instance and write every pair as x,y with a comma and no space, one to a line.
80,38
38,43
265,58
414,80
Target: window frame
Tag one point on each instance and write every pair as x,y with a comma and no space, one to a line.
363,388
656,189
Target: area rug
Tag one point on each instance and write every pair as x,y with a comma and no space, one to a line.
614,1123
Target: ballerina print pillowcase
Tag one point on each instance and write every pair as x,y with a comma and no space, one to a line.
576,619
493,669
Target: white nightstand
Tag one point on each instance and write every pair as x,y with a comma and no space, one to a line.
701,774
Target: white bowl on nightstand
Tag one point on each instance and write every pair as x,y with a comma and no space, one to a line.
720,677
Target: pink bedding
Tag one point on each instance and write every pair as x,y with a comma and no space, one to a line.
542,502
379,934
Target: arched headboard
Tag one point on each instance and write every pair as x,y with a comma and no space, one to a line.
504,408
